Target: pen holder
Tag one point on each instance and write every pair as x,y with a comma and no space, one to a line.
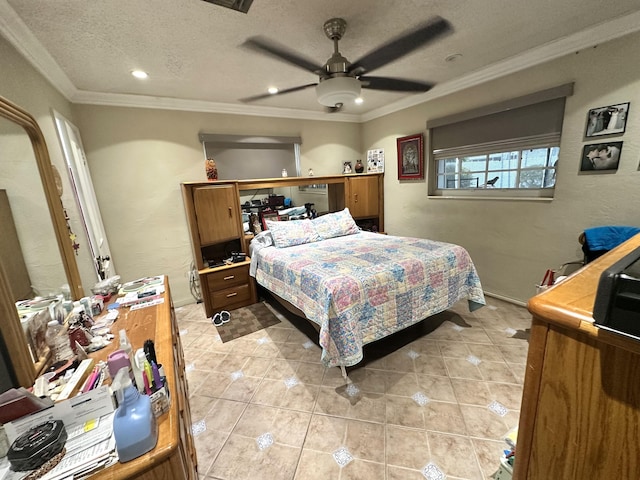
160,401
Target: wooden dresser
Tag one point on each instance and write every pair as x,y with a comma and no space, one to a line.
174,457
580,416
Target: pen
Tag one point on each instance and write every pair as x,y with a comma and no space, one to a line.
88,385
157,381
147,373
147,390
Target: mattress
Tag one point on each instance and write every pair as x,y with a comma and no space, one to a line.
363,287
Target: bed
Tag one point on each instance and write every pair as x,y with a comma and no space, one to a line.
360,287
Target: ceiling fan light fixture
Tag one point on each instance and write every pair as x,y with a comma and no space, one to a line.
359,101
338,90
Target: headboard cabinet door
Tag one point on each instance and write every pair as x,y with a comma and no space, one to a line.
216,210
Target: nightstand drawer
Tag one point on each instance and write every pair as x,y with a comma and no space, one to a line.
228,277
222,299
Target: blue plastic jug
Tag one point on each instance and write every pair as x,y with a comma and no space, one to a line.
134,426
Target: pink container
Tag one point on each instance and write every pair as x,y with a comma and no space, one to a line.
117,360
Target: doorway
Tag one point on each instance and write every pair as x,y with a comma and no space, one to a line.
82,186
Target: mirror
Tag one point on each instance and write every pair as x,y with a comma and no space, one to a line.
28,248
291,198
36,210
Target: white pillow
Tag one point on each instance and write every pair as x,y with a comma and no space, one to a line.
292,232
335,224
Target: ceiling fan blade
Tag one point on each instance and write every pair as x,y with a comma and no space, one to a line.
394,84
403,45
281,92
283,53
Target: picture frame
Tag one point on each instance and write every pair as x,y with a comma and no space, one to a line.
273,216
608,120
375,160
601,157
410,157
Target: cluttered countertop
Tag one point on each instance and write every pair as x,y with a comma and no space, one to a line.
96,433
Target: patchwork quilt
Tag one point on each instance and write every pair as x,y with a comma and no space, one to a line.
360,288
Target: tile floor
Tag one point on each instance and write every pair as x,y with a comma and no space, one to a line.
264,407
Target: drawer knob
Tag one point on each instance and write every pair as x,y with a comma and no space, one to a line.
232,294
230,277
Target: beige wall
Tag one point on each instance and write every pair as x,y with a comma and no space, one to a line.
138,157
514,242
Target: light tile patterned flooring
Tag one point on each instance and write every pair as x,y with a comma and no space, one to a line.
264,407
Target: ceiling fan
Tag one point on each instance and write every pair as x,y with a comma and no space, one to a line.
340,81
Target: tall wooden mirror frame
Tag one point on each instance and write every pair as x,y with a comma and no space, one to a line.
10,327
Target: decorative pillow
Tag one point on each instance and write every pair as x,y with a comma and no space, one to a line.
292,232
335,224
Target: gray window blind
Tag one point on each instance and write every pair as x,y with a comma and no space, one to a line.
240,157
537,114
531,121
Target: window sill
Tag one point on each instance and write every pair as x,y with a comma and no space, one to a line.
487,197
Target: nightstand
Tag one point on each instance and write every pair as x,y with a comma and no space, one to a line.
229,287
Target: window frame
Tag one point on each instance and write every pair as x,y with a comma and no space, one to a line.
520,145
483,114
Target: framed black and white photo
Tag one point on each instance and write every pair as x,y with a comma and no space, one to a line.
609,120
601,156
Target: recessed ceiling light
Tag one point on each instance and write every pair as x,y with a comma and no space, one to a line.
272,90
359,101
139,74
453,57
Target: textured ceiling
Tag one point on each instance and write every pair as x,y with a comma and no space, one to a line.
192,49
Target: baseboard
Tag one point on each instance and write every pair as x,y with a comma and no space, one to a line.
506,299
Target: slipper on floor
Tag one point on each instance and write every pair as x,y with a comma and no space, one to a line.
217,320
225,316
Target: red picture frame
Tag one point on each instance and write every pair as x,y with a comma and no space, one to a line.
410,157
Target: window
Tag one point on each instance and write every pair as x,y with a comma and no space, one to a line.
503,166
506,150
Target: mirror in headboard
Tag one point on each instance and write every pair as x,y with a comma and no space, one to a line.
322,194
39,222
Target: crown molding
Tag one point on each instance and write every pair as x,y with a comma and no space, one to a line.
598,34
25,42
16,32
167,103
